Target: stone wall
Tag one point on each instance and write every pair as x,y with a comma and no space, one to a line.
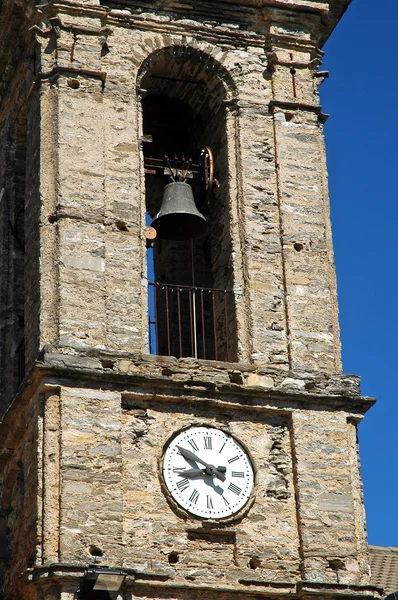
94,461
12,253
83,439
93,287
20,502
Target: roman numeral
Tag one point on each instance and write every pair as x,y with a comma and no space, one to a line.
193,445
231,460
178,469
209,502
183,484
225,501
222,448
234,488
194,497
208,443
237,474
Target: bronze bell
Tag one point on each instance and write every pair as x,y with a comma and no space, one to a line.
178,217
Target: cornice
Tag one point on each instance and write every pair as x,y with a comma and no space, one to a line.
167,380
161,582
256,13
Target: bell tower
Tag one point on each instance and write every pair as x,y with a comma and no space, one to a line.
175,421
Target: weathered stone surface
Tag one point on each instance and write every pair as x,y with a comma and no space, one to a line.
272,176
87,410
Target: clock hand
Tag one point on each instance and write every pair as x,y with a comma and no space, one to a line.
210,469
192,473
198,472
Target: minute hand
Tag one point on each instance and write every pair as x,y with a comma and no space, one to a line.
210,469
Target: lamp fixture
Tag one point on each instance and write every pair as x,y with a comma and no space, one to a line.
100,583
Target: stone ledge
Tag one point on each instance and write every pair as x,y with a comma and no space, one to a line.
308,588
238,385
206,372
69,573
328,13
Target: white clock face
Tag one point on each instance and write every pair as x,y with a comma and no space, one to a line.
208,472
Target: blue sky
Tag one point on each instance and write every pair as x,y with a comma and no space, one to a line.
361,136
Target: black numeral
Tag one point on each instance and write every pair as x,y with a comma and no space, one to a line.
234,488
178,469
237,474
209,502
194,497
208,443
183,484
193,445
225,501
231,460
222,448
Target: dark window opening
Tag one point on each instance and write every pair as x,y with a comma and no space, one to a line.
191,303
13,261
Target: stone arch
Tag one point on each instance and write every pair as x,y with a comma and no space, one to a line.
208,66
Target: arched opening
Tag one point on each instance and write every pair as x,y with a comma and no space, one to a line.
191,302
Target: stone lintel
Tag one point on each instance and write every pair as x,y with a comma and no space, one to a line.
76,29
60,71
286,106
52,8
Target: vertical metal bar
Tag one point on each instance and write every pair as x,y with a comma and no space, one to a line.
179,320
155,308
214,325
195,334
168,321
203,323
194,301
149,318
226,324
191,322
192,265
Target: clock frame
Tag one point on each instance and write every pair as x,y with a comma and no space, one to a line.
207,472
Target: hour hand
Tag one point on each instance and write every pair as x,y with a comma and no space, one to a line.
210,469
192,473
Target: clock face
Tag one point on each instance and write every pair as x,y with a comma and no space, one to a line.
208,472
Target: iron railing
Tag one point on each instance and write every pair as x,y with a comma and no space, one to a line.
191,321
